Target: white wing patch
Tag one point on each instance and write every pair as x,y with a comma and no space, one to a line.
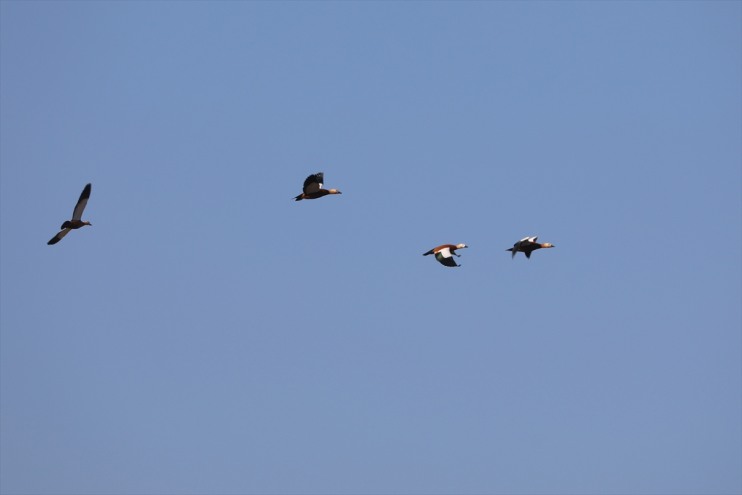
446,252
58,237
79,207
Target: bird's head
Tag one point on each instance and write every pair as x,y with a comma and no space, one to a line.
547,245
461,246
334,191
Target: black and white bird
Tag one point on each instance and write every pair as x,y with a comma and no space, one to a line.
76,221
313,188
445,253
527,245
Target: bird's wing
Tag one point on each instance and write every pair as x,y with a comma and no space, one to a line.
445,252
528,254
532,239
313,183
58,237
445,259
81,203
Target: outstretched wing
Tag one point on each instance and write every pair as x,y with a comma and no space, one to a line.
445,257
313,183
58,237
81,203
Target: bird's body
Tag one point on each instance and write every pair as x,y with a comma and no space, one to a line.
445,253
76,221
313,188
527,245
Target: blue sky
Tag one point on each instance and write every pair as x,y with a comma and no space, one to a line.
210,335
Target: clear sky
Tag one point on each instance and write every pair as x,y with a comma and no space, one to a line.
210,335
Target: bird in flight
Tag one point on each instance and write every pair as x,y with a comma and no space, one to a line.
313,188
527,245
76,221
445,253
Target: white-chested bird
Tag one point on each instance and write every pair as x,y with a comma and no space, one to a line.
445,253
527,245
313,188
76,221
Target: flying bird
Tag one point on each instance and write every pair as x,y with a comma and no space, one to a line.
445,253
313,188
76,221
527,245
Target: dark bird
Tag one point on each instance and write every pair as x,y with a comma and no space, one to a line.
313,188
445,253
527,245
76,221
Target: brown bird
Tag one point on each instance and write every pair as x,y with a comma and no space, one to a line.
527,245
313,188
445,253
76,222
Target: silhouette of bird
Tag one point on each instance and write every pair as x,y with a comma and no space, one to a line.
76,221
527,245
445,253
313,188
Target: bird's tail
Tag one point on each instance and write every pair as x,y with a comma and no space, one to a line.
299,197
512,252
429,252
